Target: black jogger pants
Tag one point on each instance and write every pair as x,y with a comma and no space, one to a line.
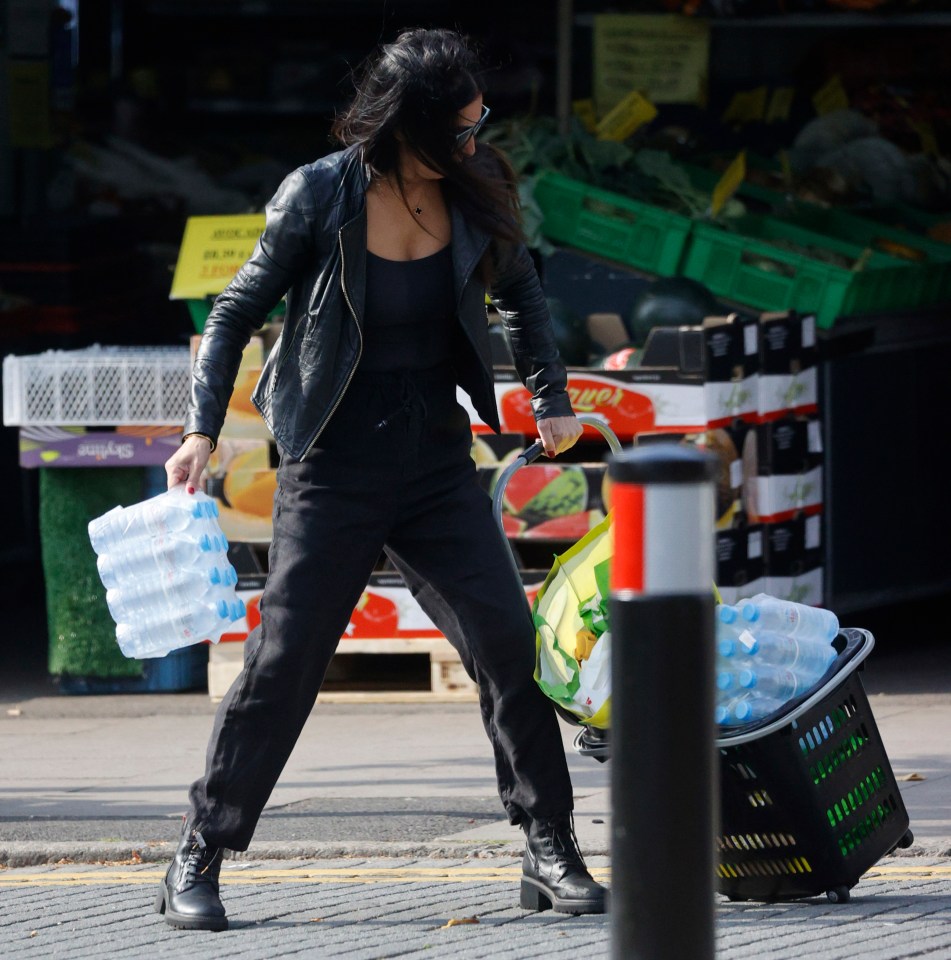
392,472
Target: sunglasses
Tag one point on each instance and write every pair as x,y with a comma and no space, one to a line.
465,134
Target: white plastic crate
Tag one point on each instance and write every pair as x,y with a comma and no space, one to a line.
97,386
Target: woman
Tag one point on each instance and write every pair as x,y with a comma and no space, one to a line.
384,251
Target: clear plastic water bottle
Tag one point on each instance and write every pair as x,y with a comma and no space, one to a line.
137,559
756,708
171,512
725,681
792,619
808,657
736,649
136,599
779,683
164,564
169,630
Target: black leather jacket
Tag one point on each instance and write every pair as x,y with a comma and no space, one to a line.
313,249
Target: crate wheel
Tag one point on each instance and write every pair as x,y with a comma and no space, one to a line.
907,840
839,895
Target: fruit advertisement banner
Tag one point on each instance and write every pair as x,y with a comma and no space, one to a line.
386,610
550,501
630,402
82,447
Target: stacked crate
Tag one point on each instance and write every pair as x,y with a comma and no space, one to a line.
788,498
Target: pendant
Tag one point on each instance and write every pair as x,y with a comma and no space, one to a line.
418,211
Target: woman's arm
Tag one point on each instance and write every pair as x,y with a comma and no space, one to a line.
517,295
281,253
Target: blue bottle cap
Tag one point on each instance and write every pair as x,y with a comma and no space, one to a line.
743,710
222,608
204,544
724,680
746,678
726,614
214,575
721,714
750,612
726,648
196,511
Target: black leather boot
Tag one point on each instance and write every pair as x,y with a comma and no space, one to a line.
189,895
554,874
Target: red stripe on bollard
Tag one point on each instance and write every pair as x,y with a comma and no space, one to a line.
627,568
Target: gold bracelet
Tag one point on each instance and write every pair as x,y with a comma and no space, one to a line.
205,436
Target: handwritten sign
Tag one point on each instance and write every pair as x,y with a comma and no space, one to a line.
666,57
213,249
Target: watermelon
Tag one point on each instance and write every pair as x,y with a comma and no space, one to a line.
512,526
669,302
624,358
542,491
572,527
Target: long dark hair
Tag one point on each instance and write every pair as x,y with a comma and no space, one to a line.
416,86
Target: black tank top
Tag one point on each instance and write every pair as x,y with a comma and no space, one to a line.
409,321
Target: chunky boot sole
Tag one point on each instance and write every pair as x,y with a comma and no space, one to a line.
182,922
534,895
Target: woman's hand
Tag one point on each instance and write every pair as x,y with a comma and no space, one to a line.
188,462
559,433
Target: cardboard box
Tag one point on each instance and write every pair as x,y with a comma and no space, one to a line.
805,587
386,610
793,547
788,355
781,497
688,378
739,557
788,445
732,444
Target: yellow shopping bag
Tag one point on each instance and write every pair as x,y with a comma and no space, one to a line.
572,637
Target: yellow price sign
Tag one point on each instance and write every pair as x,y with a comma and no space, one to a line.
830,96
729,183
746,106
622,120
780,103
212,251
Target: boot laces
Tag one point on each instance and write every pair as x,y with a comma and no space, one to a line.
200,857
560,833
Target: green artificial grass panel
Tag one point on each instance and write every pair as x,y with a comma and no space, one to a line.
81,632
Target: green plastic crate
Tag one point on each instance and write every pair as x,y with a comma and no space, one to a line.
748,266
933,263
611,225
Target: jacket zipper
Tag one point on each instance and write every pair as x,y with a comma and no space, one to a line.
353,369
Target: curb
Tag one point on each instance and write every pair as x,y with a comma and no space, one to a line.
28,854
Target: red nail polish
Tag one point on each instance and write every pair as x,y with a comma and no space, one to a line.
191,489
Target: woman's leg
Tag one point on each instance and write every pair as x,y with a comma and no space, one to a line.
457,565
324,547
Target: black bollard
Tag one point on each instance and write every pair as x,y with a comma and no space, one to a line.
664,791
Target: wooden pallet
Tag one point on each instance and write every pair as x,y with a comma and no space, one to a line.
448,680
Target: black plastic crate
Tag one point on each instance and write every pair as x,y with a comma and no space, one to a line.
809,801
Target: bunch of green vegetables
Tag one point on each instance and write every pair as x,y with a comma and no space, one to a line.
534,145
